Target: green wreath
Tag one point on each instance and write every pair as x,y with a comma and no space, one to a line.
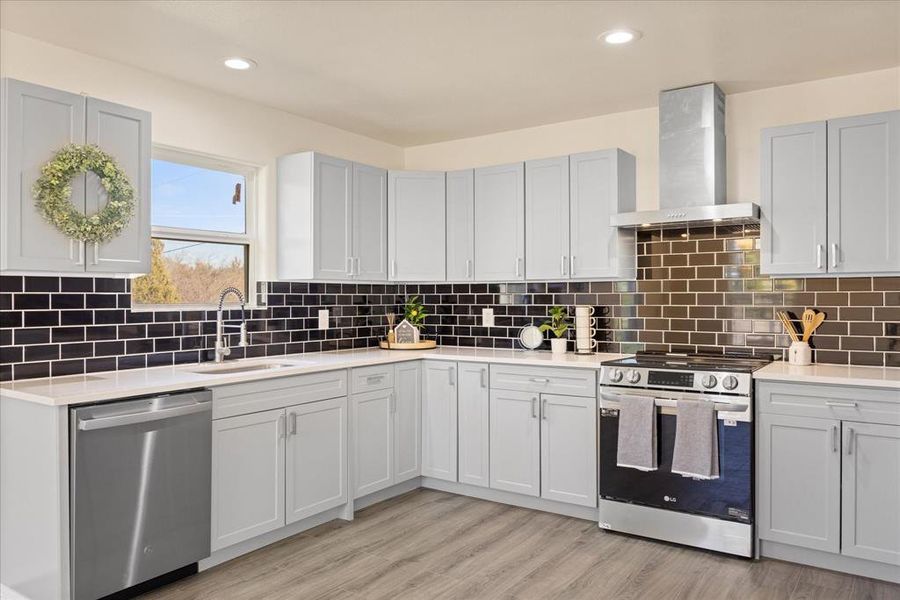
52,192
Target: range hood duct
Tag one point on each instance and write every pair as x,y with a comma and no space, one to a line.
691,164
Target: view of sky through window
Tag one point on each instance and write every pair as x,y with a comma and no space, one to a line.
190,197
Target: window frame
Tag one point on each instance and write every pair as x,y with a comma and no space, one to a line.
250,173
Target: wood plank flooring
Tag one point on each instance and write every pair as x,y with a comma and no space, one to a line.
433,545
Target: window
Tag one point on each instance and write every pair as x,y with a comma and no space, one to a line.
202,223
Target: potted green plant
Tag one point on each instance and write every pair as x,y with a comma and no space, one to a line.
414,312
558,323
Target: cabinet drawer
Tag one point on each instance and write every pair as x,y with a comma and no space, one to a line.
843,403
569,382
256,396
369,379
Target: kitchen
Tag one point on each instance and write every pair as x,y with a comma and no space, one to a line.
207,390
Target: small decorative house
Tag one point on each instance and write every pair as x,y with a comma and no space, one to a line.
406,333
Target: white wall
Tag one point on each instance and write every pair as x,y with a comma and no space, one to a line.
637,132
192,118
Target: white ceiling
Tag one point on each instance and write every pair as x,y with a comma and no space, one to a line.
417,72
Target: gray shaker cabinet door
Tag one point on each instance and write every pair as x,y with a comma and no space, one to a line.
500,223
799,481
36,122
124,133
369,223
461,225
870,519
547,218
793,199
473,418
864,194
332,210
417,226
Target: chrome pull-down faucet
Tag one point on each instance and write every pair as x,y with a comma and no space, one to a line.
222,350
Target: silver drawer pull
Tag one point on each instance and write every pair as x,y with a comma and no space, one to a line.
850,433
539,380
374,378
841,404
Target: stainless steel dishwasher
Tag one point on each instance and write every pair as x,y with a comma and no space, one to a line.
140,491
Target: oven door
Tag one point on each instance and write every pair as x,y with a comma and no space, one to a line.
729,497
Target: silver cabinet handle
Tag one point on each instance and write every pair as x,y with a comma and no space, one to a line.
350,266
544,409
451,372
834,255
357,266
374,378
540,380
518,266
292,423
468,268
142,417
393,268
819,249
572,269
484,378
562,264
281,425
849,441
840,404
834,438
393,400
534,408
96,260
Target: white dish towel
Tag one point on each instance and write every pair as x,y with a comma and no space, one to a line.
696,440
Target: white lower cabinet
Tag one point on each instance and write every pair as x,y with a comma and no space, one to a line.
569,449
316,458
387,432
515,446
439,424
473,424
247,476
799,484
870,492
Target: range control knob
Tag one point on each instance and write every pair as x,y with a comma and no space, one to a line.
633,376
730,382
709,381
615,375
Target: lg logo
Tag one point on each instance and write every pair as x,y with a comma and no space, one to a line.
670,498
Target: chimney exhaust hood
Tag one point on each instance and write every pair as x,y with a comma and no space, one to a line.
691,164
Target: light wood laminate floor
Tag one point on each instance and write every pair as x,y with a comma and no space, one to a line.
433,545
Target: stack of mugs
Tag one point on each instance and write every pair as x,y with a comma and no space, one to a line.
584,330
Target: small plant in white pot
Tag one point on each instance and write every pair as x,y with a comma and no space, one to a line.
558,323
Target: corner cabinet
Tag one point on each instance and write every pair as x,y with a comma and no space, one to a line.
830,196
36,122
417,226
332,219
500,223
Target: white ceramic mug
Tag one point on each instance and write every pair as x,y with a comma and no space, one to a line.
584,311
585,321
800,353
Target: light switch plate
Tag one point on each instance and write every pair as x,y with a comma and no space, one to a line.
487,317
323,318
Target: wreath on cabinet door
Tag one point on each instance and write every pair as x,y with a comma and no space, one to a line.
52,194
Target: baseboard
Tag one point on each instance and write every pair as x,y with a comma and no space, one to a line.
387,493
561,508
827,560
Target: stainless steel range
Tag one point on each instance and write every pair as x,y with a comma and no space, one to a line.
716,514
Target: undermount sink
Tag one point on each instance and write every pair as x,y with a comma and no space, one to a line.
227,369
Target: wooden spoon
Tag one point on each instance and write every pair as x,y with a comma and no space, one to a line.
807,319
817,320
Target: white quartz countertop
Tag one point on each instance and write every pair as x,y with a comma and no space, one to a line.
111,385
880,377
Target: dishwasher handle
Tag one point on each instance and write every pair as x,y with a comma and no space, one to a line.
143,416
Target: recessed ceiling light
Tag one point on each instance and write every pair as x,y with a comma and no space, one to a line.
619,36
239,64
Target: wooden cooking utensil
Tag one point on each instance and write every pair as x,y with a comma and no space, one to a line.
817,320
807,321
788,326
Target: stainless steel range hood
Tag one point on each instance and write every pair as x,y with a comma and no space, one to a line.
691,164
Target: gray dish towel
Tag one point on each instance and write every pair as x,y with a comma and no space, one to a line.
696,440
637,434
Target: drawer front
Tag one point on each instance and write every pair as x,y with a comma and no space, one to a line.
256,396
370,379
843,403
568,382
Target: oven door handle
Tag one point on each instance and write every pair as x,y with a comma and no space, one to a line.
671,403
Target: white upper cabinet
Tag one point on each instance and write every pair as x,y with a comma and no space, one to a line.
37,122
124,133
793,199
602,184
547,218
369,223
332,219
864,193
461,225
417,226
500,223
830,197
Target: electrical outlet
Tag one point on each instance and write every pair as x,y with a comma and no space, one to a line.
487,317
323,318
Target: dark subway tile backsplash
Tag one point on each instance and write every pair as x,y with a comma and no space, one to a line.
696,290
